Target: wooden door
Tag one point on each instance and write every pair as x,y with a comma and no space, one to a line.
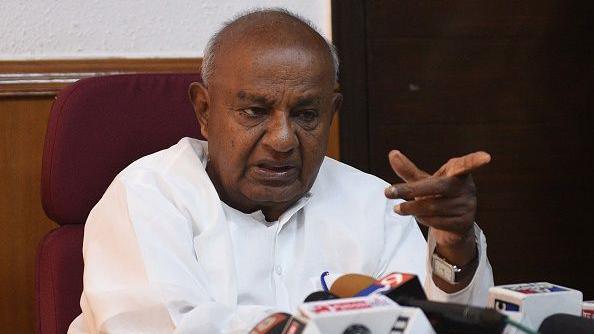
437,79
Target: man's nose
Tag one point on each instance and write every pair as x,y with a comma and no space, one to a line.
280,135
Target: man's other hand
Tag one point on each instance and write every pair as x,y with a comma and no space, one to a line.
444,201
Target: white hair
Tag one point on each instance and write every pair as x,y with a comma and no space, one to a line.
213,45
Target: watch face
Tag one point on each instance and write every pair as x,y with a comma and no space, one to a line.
443,270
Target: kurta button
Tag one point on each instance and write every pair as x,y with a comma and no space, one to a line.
279,270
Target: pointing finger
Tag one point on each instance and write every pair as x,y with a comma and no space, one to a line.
405,168
435,206
431,186
464,165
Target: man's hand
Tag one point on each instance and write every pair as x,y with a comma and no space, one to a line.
444,201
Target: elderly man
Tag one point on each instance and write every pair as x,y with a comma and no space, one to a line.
210,237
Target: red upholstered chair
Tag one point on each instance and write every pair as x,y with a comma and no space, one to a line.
96,128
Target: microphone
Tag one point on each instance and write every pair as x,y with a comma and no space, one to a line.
319,295
410,320
296,326
459,318
279,323
358,315
565,323
272,324
588,309
403,285
530,303
392,285
350,285
406,290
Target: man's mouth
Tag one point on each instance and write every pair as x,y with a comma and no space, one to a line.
276,169
275,172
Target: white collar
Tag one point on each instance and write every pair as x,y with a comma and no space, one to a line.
258,216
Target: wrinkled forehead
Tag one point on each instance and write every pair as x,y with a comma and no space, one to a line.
286,64
274,60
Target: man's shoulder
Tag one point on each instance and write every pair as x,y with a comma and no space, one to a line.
336,175
174,174
187,151
172,181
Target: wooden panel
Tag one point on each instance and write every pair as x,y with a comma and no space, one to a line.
348,26
334,139
22,220
47,77
514,78
460,19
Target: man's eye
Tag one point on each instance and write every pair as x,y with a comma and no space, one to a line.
253,112
308,115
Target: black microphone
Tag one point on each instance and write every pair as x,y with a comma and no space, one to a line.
402,284
565,323
406,290
319,295
458,318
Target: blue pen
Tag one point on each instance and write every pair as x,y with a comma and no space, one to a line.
324,286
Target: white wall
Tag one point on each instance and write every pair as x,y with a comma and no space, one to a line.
74,29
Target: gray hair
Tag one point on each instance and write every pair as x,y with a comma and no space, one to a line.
210,51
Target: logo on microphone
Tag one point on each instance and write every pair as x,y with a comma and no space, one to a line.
535,288
396,279
501,305
344,306
588,309
348,305
400,325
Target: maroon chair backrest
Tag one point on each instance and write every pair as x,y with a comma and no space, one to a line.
97,127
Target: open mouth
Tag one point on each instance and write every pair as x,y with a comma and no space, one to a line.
276,169
275,172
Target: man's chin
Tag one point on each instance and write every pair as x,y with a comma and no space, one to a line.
270,195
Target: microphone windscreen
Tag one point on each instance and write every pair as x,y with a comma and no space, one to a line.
272,324
403,285
566,323
349,285
319,295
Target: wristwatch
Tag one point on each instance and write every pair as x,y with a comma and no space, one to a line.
450,273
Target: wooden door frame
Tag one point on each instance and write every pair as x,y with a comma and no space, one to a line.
349,36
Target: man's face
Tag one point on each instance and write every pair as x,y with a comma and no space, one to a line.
267,123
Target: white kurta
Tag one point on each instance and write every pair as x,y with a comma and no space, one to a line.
164,254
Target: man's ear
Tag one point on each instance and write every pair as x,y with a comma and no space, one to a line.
201,102
336,103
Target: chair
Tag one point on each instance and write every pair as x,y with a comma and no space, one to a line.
97,127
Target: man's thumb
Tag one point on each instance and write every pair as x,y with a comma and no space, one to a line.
405,168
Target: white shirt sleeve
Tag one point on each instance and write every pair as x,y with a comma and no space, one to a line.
406,250
477,292
141,273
